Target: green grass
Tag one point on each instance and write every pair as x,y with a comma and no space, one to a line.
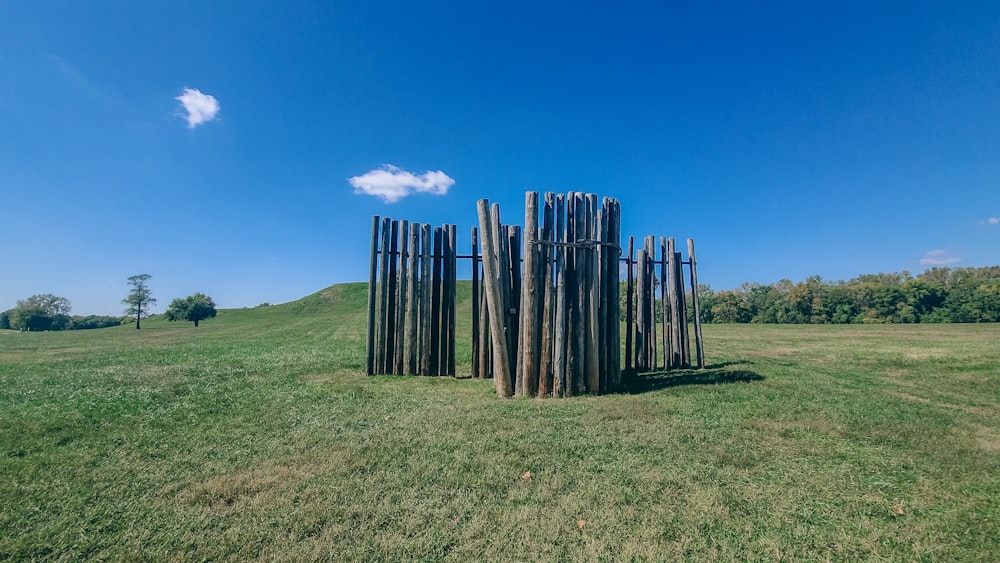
258,436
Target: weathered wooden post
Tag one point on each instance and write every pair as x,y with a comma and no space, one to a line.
426,287
372,273
488,226
530,342
452,281
559,338
548,299
475,302
400,320
629,309
410,344
675,312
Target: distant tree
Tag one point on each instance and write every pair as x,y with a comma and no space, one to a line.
43,311
194,308
29,317
4,320
78,322
139,299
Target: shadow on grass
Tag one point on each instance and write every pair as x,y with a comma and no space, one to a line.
634,383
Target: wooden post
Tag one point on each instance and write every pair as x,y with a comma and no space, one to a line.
629,309
425,299
592,357
675,318
383,296
614,295
475,303
410,344
452,281
696,307
390,335
579,343
650,304
503,265
401,286
548,301
601,297
372,274
435,365
668,327
559,338
682,306
514,300
530,335
491,277
641,310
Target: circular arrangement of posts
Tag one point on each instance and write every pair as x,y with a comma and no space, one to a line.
546,311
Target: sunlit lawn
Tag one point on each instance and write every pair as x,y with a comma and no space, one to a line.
258,436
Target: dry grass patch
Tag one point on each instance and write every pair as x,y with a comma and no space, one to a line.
243,486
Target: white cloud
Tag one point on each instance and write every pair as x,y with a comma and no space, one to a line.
938,258
993,221
390,183
200,107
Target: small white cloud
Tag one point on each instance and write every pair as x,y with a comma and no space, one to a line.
938,258
993,221
200,107
390,183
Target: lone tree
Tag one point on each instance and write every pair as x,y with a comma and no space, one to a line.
194,308
139,299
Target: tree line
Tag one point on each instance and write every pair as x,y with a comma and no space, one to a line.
939,295
45,311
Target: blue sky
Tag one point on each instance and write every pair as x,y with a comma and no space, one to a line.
789,139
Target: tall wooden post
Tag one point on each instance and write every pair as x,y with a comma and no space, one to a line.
614,294
548,298
696,306
675,313
682,305
383,297
475,302
559,339
452,282
410,344
629,309
435,366
491,277
665,292
401,285
372,273
530,335
425,299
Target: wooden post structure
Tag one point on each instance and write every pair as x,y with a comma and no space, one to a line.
547,324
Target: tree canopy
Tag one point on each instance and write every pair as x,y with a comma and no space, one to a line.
966,295
194,308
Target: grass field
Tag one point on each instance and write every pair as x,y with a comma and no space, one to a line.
258,436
